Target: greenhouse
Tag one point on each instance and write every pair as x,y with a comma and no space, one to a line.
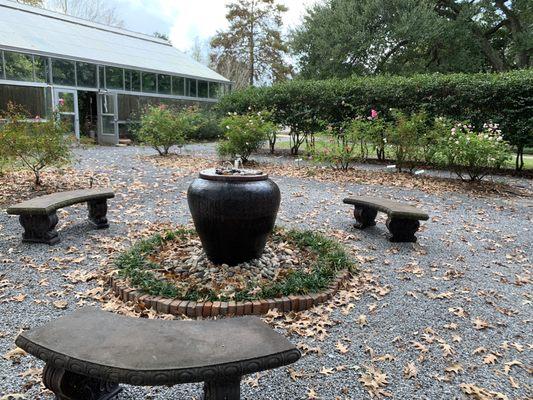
100,76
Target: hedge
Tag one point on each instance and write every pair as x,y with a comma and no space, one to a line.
504,98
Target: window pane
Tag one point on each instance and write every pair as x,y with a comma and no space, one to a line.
114,78
101,76
135,81
163,84
178,86
86,74
108,104
214,90
40,64
149,82
190,86
19,67
202,89
65,101
63,72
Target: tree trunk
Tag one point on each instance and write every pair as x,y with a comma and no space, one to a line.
519,160
251,43
37,174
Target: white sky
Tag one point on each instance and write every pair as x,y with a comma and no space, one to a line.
185,20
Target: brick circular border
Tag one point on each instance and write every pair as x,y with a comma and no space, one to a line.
230,308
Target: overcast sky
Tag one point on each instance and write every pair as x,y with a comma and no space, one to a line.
185,20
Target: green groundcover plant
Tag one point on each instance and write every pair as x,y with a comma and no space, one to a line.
134,264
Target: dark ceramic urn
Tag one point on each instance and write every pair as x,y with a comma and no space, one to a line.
233,213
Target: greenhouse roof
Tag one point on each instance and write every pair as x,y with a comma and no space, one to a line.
38,31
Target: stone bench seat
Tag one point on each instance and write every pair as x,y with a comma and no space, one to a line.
98,350
402,222
38,216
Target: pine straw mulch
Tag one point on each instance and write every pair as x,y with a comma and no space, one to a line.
18,186
189,165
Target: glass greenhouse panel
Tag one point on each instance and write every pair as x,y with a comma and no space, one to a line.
86,75
164,85
19,67
40,66
178,86
190,87
2,65
203,89
135,81
114,78
63,72
149,82
101,76
214,90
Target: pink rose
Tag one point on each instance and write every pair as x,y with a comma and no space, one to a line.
61,102
373,114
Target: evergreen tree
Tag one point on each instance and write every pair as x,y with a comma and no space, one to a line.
254,39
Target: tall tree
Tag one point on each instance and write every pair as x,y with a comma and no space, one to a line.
345,37
254,38
200,50
93,10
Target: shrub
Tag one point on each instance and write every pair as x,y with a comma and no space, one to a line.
505,98
244,135
472,154
207,127
349,144
411,140
162,127
35,144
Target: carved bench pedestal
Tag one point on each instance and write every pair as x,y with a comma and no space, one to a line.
403,230
98,212
224,389
68,385
39,228
365,216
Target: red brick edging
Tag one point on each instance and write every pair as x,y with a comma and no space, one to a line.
216,308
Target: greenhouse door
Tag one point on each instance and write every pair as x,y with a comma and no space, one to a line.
66,102
107,118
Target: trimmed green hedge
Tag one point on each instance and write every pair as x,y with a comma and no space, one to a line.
505,98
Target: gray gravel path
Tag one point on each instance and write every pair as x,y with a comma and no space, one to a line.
472,261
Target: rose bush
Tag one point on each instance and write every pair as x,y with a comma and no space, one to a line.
472,154
244,135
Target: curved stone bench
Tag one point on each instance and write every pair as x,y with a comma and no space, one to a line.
38,216
402,222
90,352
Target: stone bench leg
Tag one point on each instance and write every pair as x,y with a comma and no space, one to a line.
98,212
403,230
68,385
365,216
223,389
39,228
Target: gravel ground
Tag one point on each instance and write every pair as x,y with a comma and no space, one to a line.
471,265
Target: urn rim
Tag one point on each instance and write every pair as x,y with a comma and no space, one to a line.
211,175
